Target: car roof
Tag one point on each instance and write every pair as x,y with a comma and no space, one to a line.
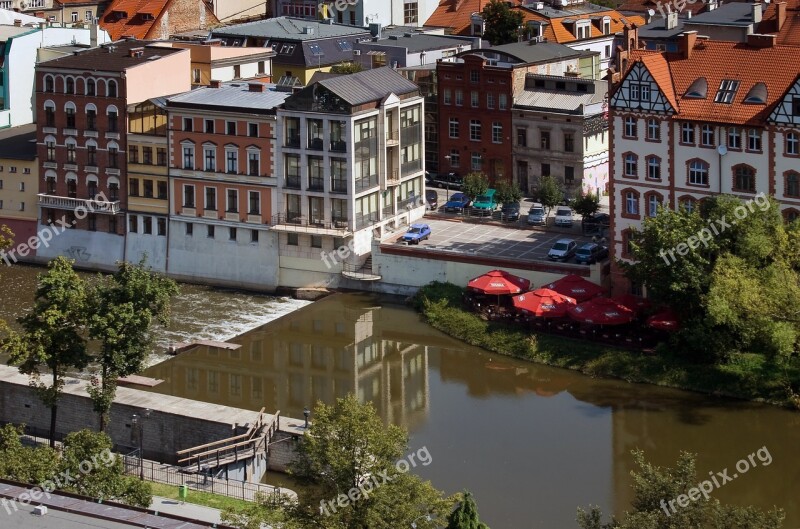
563,208
588,246
565,241
419,226
536,205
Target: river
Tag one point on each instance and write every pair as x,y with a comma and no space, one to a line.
531,442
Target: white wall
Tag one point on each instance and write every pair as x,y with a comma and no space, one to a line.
89,249
137,245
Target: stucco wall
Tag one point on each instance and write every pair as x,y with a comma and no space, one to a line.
90,249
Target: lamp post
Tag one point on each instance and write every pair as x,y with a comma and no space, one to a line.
138,422
306,413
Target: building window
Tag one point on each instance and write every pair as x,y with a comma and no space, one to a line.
446,96
70,85
631,165
133,224
792,187
653,130
698,173
161,156
316,241
91,119
210,231
209,126
292,239
91,154
653,168
232,201
707,136
453,127
455,158
133,187
476,161
630,127
147,155
497,132
50,115
734,138
147,225
653,201
569,175
112,121
49,84
112,157
188,196
147,186
727,89
188,124
162,190
474,99
112,88
254,203
162,227
230,128
792,147
232,234
569,142
522,137
687,133
253,163
754,140
51,150
133,154
744,178
503,102
211,198
252,130
631,203
91,222
113,190
70,110
474,130
545,169
74,16
112,224
231,162
71,152
410,12
490,100
545,139
189,229
92,188
459,97
196,76
188,157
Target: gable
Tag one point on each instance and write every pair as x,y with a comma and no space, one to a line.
639,91
787,111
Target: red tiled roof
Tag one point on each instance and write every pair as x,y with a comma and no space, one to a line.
455,15
134,25
718,61
556,31
790,31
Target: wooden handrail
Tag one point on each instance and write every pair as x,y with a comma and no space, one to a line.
249,435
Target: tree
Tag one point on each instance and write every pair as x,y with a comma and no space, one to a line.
550,193
123,308
348,453
346,67
501,23
654,487
52,337
586,205
507,192
22,463
465,516
475,184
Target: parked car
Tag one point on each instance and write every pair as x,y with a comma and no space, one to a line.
562,250
457,202
432,199
596,224
416,233
590,253
485,204
563,217
449,181
510,211
536,215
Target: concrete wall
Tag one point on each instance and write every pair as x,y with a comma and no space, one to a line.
137,245
140,85
90,249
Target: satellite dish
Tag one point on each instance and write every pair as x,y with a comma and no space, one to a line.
722,149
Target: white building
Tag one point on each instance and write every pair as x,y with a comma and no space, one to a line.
359,12
350,169
22,46
706,120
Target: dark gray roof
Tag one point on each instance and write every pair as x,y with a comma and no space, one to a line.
535,53
733,14
657,29
18,143
113,57
560,100
289,28
368,85
417,42
234,95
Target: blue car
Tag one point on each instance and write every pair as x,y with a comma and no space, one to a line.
416,233
457,202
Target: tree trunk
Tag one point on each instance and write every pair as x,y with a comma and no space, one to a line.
103,412
53,413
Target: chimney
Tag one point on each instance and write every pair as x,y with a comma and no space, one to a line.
215,83
688,15
780,16
308,30
686,43
17,22
761,41
93,35
256,87
671,20
756,12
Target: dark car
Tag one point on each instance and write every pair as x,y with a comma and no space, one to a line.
510,211
448,181
590,253
596,224
416,233
457,202
432,198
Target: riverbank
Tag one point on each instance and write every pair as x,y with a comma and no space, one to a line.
746,376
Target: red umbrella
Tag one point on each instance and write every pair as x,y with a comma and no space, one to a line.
666,320
499,282
544,303
576,287
602,311
637,304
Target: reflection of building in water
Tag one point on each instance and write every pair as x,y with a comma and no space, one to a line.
321,352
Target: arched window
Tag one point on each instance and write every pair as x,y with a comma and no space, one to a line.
113,117
49,84
698,173
72,148
91,153
69,109
50,178
49,114
113,188
91,117
72,185
630,199
113,155
744,178
91,186
111,88
91,87
69,85
50,146
653,200
792,184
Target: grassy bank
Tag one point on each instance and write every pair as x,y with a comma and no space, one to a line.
206,499
745,376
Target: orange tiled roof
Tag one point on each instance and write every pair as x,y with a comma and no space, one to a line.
454,15
718,61
557,31
132,25
790,31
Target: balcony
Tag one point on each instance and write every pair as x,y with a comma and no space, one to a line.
338,186
316,184
293,141
292,182
392,177
70,131
296,223
90,133
338,146
91,168
50,165
411,167
392,139
362,221
71,166
71,204
315,144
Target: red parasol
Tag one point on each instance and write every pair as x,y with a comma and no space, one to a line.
499,282
544,303
637,304
576,287
666,320
602,311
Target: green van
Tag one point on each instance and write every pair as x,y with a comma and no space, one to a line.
485,204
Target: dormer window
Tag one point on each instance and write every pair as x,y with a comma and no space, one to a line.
287,49
727,90
698,89
757,95
606,25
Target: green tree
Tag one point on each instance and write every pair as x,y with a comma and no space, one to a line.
53,335
123,309
475,184
346,67
654,487
507,192
586,204
23,463
465,516
501,23
347,448
550,193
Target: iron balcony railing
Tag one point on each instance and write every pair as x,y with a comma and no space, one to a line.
308,224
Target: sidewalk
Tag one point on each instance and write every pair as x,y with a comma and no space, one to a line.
186,510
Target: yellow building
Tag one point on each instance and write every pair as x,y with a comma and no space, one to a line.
19,184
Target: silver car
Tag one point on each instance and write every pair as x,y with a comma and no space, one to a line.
562,250
563,217
536,215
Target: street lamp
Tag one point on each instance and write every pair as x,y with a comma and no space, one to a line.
306,413
138,422
447,183
427,519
